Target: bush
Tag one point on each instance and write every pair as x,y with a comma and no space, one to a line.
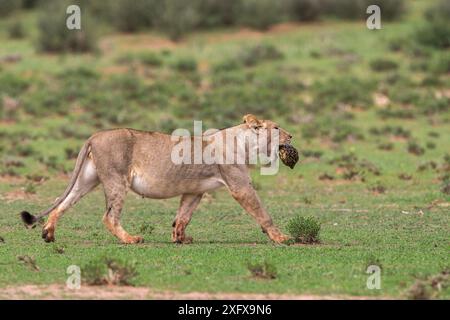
214,13
259,14
304,10
8,6
54,35
383,65
440,64
263,270
177,18
150,59
343,90
131,16
304,229
185,64
109,272
16,31
12,85
261,52
435,32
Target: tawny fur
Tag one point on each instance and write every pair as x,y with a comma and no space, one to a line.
124,159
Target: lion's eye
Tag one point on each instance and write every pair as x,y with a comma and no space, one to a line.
276,128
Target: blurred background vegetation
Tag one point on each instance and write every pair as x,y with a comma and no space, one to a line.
157,65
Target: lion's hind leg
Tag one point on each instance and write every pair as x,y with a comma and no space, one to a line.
86,181
115,193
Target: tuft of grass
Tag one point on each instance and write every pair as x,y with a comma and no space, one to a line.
109,272
381,65
30,188
264,270
304,229
415,148
29,262
378,188
146,228
445,187
429,287
16,30
185,64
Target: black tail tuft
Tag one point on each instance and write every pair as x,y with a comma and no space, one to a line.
28,219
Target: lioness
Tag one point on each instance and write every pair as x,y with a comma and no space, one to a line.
123,159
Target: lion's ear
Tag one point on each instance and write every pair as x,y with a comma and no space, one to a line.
251,121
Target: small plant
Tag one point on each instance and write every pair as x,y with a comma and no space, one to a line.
109,272
58,249
30,188
304,229
16,31
378,188
388,146
150,59
185,64
326,176
429,287
146,228
383,65
29,262
265,270
404,176
415,148
445,187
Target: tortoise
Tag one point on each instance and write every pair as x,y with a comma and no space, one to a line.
288,155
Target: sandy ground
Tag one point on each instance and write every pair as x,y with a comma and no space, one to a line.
139,293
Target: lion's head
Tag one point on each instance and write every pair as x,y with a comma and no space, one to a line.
265,126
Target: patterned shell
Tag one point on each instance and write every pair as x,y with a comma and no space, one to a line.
288,155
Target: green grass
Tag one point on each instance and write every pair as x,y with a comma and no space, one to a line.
406,228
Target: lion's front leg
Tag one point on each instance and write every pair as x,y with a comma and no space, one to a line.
249,200
188,204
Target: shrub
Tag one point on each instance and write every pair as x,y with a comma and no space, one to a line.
12,85
185,64
429,287
8,6
54,35
213,13
304,10
445,187
177,18
415,148
265,270
435,32
304,229
441,64
251,56
150,59
16,31
109,272
383,65
343,90
259,14
131,16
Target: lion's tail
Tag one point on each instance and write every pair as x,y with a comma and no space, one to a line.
30,220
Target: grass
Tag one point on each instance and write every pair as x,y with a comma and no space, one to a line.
364,174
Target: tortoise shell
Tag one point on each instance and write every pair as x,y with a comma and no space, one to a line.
288,155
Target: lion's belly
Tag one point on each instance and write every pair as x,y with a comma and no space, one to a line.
162,189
